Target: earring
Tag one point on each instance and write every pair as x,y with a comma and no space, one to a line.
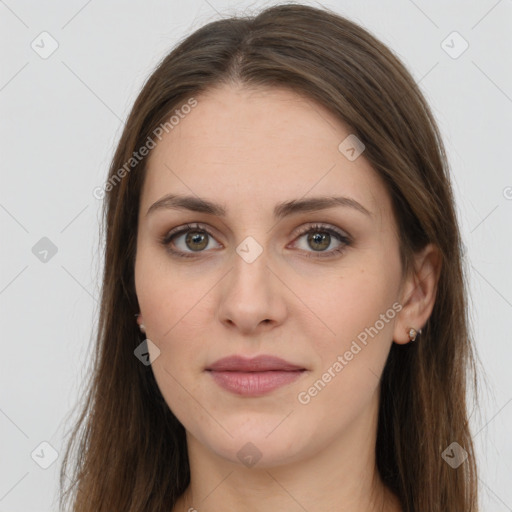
142,327
413,334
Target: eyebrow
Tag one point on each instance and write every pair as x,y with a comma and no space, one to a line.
281,210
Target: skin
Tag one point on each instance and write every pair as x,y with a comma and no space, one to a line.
249,149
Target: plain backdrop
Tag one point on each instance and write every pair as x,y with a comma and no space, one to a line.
61,117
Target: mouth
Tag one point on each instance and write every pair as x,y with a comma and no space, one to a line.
255,376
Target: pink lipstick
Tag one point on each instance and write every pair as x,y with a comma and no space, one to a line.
254,376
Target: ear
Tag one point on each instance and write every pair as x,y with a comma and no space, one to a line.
418,293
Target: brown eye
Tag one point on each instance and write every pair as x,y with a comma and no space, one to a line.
196,240
319,240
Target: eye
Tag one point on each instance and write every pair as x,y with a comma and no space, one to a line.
197,238
319,237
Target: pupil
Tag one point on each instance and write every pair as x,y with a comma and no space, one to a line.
318,238
194,238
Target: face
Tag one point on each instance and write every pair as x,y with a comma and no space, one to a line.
317,287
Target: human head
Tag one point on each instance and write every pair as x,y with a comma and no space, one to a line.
359,82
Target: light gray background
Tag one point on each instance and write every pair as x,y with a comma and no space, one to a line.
61,118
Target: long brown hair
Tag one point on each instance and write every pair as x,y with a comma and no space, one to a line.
130,450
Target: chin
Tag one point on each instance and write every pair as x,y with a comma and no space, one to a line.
262,448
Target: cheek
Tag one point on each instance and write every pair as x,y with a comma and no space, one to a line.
359,310
354,299
172,311
165,296
173,304
348,376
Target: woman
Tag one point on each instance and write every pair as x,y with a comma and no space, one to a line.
284,311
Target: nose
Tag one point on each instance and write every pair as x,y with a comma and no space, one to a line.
251,297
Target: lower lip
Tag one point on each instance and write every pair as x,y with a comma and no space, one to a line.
254,383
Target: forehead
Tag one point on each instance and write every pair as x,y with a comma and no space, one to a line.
253,146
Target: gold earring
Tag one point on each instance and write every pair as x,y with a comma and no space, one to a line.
413,334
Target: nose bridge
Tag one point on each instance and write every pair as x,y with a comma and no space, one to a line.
249,295
250,273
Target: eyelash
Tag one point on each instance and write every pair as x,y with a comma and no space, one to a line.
346,241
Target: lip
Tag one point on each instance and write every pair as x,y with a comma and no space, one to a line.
261,363
254,376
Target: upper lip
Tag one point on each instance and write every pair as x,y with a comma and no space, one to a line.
255,364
